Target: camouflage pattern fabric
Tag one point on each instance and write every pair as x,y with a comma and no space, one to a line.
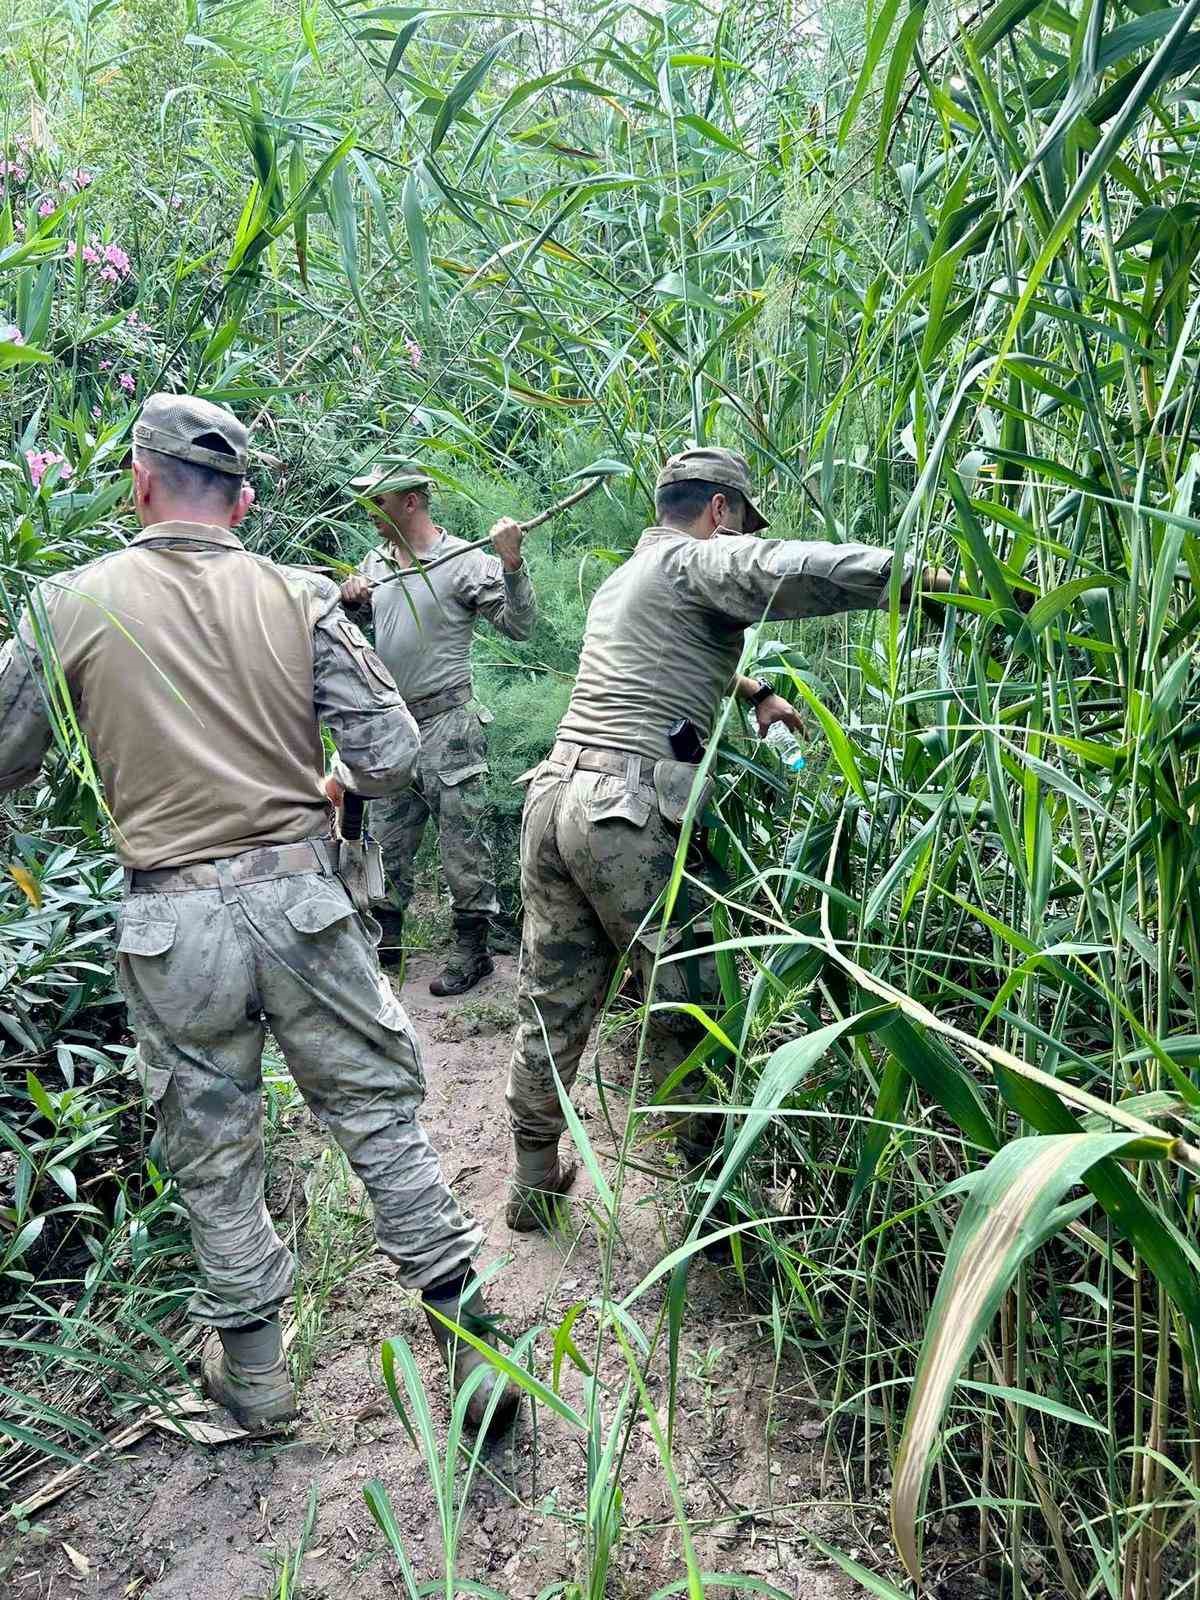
451,788
205,972
595,855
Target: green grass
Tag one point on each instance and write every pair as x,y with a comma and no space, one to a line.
937,276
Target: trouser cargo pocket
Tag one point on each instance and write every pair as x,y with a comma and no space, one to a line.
673,783
615,799
146,932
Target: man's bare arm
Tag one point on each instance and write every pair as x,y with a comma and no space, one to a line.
772,708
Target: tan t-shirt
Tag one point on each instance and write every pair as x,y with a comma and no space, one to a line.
424,622
199,673
664,633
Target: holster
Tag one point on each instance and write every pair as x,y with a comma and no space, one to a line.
360,867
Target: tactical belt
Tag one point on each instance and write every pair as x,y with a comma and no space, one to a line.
263,862
432,705
586,758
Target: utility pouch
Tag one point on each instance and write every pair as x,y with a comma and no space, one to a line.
620,796
360,867
373,863
673,782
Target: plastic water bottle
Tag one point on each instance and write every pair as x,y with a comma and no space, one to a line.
784,743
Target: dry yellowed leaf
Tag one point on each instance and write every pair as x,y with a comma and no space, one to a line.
28,885
78,1560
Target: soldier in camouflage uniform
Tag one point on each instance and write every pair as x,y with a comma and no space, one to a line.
200,675
601,823
425,612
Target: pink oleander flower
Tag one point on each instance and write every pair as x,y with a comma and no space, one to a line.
414,351
117,259
13,170
12,334
127,383
105,365
40,462
96,411
81,178
48,207
19,228
109,275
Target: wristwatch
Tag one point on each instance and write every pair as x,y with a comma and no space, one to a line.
763,692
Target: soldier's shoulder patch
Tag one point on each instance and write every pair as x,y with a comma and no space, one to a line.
352,634
369,662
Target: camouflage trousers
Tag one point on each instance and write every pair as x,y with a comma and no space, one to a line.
451,787
205,972
595,855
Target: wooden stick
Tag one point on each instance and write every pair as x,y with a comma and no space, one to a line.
562,505
418,569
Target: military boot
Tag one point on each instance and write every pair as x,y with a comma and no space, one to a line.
469,960
244,1370
538,1180
462,1359
391,945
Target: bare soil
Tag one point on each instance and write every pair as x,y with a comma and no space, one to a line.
176,1521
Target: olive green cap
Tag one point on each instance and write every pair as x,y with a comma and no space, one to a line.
175,425
390,478
723,467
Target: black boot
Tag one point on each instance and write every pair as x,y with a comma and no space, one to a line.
469,960
391,946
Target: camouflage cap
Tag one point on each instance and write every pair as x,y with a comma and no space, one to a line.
390,478
724,467
176,424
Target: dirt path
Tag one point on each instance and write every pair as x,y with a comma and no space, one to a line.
180,1522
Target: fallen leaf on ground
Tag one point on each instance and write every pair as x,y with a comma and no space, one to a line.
78,1560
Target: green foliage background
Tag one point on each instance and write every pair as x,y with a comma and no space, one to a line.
935,272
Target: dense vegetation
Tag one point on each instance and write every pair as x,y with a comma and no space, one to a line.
936,275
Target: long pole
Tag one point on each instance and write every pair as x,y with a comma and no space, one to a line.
418,569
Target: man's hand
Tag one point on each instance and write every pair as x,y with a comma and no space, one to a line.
934,580
776,709
356,591
335,792
506,536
